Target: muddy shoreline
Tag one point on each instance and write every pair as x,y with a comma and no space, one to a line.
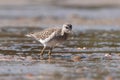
52,21
91,52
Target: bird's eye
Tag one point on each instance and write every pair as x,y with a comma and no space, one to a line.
67,28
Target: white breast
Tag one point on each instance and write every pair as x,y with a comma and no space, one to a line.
47,41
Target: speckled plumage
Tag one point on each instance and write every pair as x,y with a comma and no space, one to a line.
52,36
46,33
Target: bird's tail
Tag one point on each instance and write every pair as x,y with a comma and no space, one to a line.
29,35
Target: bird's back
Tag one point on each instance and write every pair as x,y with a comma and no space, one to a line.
45,33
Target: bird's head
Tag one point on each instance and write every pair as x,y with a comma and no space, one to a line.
67,28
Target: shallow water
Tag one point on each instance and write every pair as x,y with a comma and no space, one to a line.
88,54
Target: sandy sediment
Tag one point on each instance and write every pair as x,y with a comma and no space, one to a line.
75,3
88,3
50,21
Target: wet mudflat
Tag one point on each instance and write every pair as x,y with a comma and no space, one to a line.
86,55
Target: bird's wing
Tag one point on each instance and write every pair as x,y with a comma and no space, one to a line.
45,33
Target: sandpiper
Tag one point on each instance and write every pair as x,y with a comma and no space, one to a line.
52,37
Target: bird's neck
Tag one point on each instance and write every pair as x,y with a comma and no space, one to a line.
64,34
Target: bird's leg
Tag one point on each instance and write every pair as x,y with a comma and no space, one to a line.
41,53
50,51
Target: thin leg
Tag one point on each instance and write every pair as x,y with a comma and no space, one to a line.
41,53
50,51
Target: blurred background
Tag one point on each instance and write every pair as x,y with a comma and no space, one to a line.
56,12
91,53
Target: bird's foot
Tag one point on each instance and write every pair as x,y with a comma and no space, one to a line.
41,57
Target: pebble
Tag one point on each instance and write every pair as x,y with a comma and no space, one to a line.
76,58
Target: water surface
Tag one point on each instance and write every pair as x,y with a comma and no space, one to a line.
89,54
